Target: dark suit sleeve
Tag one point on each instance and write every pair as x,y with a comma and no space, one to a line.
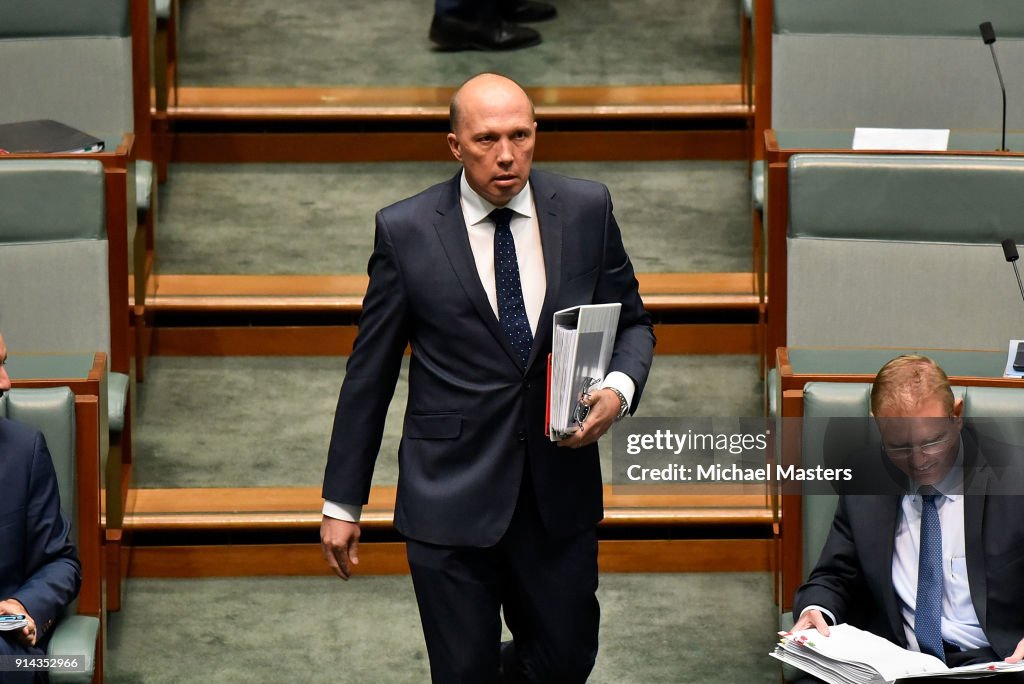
53,571
837,579
370,377
634,340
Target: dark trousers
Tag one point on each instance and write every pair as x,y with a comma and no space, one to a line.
545,586
471,10
10,647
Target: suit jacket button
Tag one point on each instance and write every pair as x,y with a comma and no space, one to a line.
522,435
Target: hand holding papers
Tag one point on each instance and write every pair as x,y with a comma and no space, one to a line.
9,623
581,349
853,656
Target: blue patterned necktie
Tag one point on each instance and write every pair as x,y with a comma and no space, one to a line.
509,289
928,611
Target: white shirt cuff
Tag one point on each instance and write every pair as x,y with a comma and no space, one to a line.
623,383
340,511
827,613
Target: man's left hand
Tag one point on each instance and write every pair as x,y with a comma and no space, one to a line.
1018,653
27,635
604,409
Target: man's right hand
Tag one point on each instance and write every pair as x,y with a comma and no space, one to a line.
339,542
812,618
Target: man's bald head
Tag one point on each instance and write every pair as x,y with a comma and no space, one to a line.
493,126
484,87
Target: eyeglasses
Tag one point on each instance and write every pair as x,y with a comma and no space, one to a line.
580,413
929,449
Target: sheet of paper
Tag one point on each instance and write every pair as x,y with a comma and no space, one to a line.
916,139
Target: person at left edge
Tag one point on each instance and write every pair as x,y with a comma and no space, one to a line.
39,569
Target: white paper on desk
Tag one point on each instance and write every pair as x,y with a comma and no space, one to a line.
1011,354
913,139
853,656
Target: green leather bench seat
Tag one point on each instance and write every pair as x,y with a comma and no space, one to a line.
54,295
902,251
52,411
910,64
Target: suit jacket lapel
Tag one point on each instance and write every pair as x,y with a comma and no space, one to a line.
549,218
976,483
886,514
453,234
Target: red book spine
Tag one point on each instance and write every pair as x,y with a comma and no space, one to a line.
547,403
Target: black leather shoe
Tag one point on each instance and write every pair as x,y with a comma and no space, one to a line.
527,11
452,33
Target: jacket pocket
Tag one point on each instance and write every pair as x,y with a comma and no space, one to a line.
433,425
579,276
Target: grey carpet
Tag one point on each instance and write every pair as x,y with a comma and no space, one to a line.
318,218
266,422
351,42
710,628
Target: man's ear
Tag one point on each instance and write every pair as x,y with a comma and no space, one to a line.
453,145
958,408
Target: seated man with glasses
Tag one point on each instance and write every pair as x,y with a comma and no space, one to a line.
939,566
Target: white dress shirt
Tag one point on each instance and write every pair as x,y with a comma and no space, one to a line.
532,274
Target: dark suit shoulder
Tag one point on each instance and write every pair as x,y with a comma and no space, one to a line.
17,434
548,182
429,197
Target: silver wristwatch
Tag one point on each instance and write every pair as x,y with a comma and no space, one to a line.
623,404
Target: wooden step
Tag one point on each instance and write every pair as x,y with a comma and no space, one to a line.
425,104
706,533
578,123
298,508
662,292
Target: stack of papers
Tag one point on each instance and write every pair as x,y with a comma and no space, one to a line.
852,656
9,623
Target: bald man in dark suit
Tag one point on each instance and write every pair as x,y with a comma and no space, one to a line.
497,517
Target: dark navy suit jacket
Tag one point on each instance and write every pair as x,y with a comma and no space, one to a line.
38,563
853,577
473,413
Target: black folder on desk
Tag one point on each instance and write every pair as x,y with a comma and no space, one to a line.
45,136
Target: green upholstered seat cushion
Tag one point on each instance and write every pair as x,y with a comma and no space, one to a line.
903,18
143,184
75,636
757,181
881,248
31,211
34,18
117,400
919,198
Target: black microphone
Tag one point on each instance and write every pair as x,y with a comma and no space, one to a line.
988,34
1010,252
